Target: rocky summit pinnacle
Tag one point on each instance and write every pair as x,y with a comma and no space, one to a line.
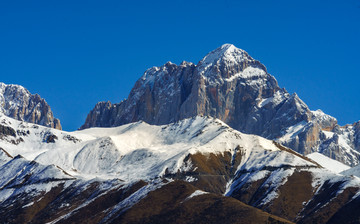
225,62
226,54
230,85
17,102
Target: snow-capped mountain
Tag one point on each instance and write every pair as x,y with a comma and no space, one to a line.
17,102
106,175
183,148
230,85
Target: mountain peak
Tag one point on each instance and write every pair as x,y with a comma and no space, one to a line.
227,63
227,48
227,53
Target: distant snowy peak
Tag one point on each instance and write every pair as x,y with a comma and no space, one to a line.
17,102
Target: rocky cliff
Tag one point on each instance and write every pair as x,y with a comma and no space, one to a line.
230,85
17,102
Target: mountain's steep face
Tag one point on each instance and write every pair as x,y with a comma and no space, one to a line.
157,98
17,102
103,115
230,85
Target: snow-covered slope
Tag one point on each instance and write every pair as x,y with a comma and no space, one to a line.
139,150
355,171
328,163
21,172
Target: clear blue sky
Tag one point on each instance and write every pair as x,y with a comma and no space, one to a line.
76,53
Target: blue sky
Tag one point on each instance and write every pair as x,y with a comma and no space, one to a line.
76,53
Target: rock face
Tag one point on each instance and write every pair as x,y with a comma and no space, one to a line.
230,85
17,102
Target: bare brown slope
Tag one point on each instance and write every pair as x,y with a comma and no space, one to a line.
60,201
170,204
211,171
298,201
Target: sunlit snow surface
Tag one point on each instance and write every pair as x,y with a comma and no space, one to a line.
328,163
140,150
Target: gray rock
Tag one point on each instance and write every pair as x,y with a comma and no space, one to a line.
18,103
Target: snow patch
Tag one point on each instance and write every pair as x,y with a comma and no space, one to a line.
196,193
275,100
249,72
